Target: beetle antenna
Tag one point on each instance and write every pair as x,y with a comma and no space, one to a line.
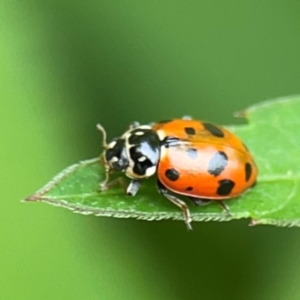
103,185
102,130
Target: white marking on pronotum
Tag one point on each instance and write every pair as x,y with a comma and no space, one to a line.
139,133
144,127
150,171
161,134
114,159
128,133
142,158
111,145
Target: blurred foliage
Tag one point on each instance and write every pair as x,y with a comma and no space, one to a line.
66,65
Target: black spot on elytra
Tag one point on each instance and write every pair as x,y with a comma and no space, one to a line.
172,174
192,153
248,171
190,130
214,130
225,187
189,188
217,163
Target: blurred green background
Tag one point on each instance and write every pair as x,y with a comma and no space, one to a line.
66,65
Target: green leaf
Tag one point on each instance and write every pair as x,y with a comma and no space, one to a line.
272,136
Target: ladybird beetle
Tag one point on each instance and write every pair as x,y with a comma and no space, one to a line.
192,158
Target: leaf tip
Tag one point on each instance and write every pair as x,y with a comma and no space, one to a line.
31,198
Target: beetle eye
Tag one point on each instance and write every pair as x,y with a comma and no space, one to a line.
121,162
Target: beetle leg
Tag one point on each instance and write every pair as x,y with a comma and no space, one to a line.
224,207
199,201
182,205
133,187
202,202
118,181
104,184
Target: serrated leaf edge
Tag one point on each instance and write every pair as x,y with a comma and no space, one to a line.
86,210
